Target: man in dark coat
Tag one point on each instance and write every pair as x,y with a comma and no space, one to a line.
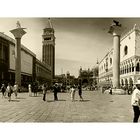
55,90
80,92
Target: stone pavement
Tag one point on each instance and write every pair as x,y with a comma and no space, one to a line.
96,107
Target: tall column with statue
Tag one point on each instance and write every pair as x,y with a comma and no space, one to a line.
18,33
115,30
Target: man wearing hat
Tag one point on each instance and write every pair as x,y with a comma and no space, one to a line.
135,101
55,90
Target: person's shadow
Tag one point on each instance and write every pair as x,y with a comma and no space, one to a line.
84,100
56,101
15,100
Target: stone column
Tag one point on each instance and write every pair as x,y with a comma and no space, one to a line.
115,31
18,33
116,61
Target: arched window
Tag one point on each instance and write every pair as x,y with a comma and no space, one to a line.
125,50
138,67
127,69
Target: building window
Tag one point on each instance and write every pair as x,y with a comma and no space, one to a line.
137,67
132,68
125,50
127,69
110,61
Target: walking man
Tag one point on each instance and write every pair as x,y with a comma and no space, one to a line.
135,102
3,89
80,92
44,92
55,90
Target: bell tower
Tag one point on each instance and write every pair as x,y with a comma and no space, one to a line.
48,48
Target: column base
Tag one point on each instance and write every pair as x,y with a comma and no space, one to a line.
116,91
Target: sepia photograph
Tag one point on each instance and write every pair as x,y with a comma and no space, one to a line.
69,69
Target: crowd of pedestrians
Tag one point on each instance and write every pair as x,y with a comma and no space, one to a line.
7,91
34,89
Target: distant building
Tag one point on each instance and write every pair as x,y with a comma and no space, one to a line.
70,79
129,61
31,68
86,77
65,79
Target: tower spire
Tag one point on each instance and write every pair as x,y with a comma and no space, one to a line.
49,23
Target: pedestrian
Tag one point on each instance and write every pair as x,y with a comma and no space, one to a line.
72,92
135,102
15,89
29,90
3,89
55,90
35,89
44,89
80,92
110,91
9,91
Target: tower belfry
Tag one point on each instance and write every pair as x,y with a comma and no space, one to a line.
48,49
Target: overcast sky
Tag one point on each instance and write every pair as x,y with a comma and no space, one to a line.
79,41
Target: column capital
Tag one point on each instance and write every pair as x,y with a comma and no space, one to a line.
116,31
115,28
18,32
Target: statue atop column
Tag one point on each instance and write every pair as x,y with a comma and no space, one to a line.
18,24
113,26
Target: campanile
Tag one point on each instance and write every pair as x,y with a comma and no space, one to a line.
48,49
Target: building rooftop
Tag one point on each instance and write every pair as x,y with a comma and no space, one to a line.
13,41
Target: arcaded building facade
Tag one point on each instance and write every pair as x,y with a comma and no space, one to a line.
129,60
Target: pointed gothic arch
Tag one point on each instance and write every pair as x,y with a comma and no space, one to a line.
137,67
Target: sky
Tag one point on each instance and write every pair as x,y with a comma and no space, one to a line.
79,41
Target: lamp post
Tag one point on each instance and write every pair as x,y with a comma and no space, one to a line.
116,32
18,33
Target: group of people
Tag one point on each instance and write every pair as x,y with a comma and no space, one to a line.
73,90
7,91
44,89
55,89
135,100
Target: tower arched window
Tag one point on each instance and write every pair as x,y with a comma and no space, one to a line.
125,50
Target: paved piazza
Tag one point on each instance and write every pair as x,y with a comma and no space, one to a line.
96,107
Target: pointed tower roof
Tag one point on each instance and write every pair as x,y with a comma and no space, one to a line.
49,24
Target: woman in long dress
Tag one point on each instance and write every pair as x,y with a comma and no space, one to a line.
29,89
